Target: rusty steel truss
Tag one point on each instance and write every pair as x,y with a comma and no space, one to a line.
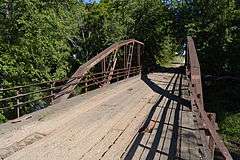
119,61
108,60
208,135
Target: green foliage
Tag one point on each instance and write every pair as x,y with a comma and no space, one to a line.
34,44
101,25
153,25
42,40
230,126
215,26
167,51
2,119
109,21
230,130
34,40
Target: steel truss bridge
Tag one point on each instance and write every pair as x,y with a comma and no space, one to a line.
109,109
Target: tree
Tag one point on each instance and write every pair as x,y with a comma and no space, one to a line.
150,22
34,40
215,27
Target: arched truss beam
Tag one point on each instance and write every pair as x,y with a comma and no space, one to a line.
128,48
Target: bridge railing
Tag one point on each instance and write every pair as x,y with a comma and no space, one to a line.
107,61
204,120
99,71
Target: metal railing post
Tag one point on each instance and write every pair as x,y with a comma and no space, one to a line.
117,76
52,85
18,103
86,85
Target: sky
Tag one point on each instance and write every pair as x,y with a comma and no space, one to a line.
88,1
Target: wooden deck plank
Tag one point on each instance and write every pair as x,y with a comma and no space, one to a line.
139,148
146,141
149,138
169,119
72,138
125,105
130,130
111,126
119,128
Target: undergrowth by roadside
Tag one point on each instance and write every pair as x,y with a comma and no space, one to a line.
222,97
176,60
2,119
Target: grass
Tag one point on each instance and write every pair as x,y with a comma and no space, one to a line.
230,127
175,61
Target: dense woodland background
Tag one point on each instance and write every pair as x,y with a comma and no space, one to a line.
43,40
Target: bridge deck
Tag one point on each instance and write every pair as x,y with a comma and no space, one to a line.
133,119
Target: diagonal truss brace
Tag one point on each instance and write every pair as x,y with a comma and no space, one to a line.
112,64
129,59
65,91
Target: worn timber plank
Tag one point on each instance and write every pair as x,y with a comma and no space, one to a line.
146,118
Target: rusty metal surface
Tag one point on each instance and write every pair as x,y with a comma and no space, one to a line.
193,70
85,68
91,81
45,91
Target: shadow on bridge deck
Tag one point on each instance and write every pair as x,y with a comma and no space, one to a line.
161,136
